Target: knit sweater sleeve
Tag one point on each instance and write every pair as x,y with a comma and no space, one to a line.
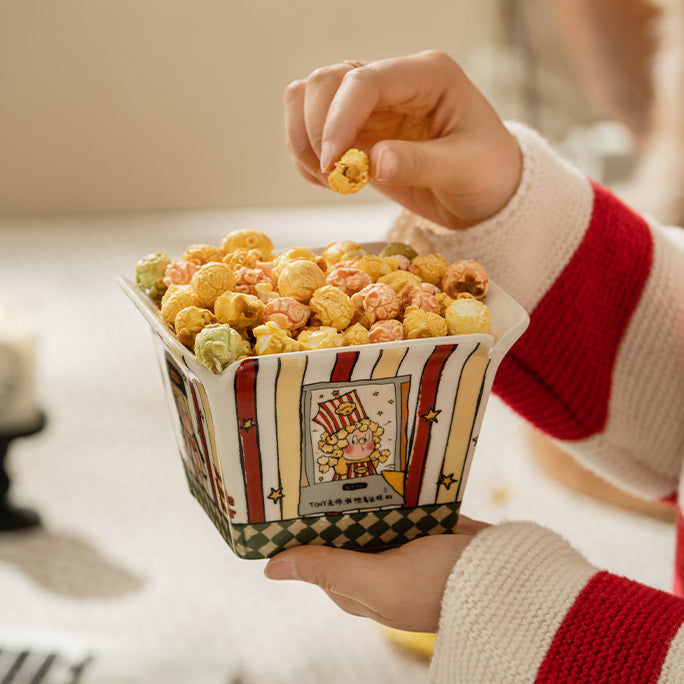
521,605
600,368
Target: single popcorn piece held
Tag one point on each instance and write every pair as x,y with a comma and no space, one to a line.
332,307
178,297
201,254
272,339
149,273
248,239
386,331
324,337
419,323
377,301
287,313
465,276
212,280
218,345
467,315
239,310
300,279
189,321
350,173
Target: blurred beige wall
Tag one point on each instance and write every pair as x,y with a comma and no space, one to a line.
157,104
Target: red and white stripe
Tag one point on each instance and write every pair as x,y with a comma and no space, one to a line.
601,370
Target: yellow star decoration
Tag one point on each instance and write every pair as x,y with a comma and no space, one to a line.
446,480
247,423
431,416
276,494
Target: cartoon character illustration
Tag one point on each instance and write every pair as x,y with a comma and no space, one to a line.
350,445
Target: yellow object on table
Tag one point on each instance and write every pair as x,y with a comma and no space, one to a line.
419,643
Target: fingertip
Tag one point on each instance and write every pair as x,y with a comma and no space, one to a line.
281,570
385,164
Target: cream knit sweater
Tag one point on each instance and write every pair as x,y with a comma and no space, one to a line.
601,370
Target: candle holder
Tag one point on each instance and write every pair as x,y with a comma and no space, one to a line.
14,517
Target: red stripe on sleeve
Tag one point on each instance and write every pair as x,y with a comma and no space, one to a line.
678,587
558,375
616,631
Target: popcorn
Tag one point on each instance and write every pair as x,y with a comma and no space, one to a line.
240,299
356,334
178,297
394,248
419,323
348,278
332,307
180,272
467,315
399,280
417,296
212,280
300,279
149,273
287,313
248,239
377,301
201,254
374,266
386,331
239,310
465,276
334,251
189,321
324,337
272,339
430,268
218,345
351,172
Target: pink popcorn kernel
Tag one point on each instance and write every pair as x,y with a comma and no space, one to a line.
416,296
287,313
389,330
180,272
247,278
378,301
348,278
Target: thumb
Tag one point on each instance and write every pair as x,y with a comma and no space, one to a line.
423,164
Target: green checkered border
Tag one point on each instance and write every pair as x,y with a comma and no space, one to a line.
367,530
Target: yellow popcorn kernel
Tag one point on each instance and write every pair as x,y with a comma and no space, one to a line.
430,268
178,297
212,280
239,310
334,251
419,323
400,280
248,239
299,280
272,339
297,254
356,334
351,172
332,307
242,257
324,337
202,254
189,321
374,266
467,315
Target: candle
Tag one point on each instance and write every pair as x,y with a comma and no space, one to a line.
18,406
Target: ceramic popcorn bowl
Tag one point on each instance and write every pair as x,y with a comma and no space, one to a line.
261,448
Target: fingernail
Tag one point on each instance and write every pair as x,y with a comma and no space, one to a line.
280,570
386,165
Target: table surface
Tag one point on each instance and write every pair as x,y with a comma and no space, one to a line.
126,559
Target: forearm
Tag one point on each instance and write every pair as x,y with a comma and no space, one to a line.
599,365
